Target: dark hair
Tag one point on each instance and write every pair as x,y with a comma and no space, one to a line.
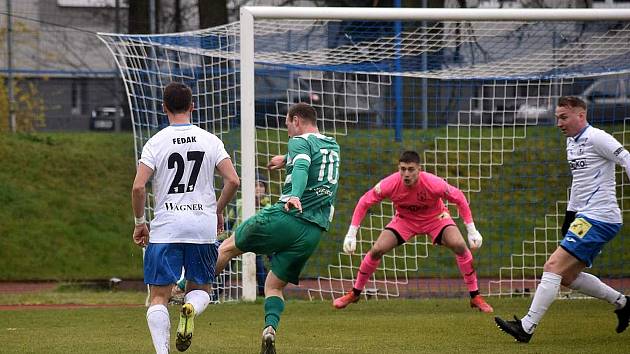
571,102
304,111
409,156
177,97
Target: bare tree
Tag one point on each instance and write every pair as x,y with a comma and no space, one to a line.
212,13
177,16
139,16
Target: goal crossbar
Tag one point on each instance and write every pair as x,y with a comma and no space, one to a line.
433,14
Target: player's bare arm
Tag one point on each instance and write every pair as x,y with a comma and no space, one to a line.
231,182
138,199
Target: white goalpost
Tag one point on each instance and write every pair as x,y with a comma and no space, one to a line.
472,89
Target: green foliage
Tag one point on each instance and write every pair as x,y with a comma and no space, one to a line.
395,326
28,107
65,207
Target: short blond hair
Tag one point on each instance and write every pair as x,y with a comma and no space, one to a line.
571,102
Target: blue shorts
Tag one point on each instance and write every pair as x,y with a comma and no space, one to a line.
586,237
163,263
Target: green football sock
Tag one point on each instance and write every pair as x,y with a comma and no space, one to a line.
274,306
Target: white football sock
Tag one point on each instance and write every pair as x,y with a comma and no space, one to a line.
545,294
199,299
160,327
591,285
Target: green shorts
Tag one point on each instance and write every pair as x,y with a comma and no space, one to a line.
288,239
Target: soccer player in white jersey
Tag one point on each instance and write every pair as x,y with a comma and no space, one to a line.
592,219
182,159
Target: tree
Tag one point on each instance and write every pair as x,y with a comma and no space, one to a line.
177,16
29,104
139,16
212,13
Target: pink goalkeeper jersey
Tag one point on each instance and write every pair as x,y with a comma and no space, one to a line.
421,202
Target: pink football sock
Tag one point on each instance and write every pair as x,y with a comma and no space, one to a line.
465,264
366,269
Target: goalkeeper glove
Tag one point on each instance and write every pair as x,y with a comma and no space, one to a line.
350,242
474,237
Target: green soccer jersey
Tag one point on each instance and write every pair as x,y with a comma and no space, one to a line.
313,176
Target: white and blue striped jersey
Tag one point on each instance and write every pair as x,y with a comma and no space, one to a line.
592,155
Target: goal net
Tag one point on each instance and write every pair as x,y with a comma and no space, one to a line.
476,98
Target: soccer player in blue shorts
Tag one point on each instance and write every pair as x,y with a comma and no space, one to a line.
592,219
182,159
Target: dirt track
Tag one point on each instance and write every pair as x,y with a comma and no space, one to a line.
25,287
62,306
34,287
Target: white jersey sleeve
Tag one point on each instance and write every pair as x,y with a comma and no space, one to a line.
147,157
611,148
608,147
592,157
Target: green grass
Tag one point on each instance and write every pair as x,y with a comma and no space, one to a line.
396,326
65,210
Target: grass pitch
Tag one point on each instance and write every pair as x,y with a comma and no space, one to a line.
395,326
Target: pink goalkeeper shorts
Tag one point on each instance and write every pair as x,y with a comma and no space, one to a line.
409,228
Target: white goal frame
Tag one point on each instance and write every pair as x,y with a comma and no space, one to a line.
249,14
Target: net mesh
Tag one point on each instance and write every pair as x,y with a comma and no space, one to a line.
476,98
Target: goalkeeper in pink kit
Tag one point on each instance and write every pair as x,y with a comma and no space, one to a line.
417,198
